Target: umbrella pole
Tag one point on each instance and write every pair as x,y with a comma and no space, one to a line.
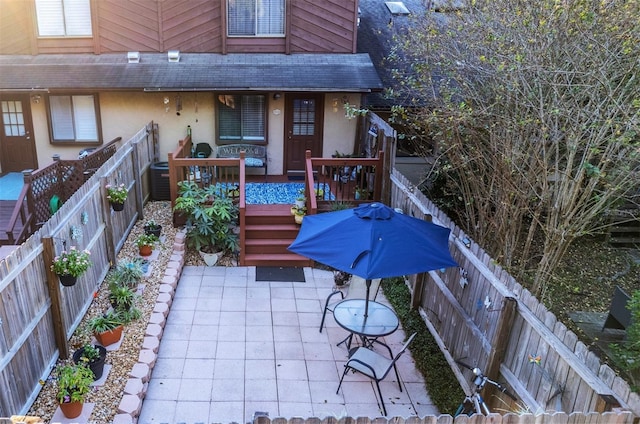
366,301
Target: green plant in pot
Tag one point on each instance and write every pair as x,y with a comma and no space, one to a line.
210,218
107,328
127,272
74,383
92,356
152,227
145,243
123,299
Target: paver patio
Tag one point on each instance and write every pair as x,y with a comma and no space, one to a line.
233,346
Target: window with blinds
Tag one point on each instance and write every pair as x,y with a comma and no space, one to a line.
241,118
255,17
73,119
63,18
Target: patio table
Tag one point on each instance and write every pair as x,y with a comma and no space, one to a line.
381,321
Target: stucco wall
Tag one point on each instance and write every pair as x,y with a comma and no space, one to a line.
124,113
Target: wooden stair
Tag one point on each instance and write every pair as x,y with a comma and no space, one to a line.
269,230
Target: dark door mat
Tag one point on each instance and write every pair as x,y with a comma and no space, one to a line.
280,273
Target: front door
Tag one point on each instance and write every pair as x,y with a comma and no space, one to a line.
17,146
303,129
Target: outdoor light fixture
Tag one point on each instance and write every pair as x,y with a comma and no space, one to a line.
133,57
276,96
173,55
36,98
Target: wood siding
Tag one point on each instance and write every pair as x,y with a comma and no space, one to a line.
195,26
323,26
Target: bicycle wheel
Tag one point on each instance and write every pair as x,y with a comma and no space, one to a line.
466,407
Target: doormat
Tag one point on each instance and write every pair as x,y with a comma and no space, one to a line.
280,273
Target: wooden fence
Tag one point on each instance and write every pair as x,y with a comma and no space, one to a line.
37,315
484,318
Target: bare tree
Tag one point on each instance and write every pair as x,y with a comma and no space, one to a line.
534,108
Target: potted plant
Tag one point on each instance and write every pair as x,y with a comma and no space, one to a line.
127,272
299,215
341,278
107,328
74,383
121,297
361,193
301,200
116,195
145,243
152,227
92,356
210,220
71,264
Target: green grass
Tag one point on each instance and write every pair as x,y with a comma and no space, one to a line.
441,383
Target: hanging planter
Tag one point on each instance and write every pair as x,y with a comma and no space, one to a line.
118,207
68,280
116,195
70,264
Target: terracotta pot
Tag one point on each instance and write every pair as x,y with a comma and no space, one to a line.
109,337
117,206
145,250
67,280
71,409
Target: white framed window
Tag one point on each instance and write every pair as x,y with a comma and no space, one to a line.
255,17
241,118
63,18
74,118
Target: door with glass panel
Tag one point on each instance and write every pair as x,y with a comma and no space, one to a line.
303,129
17,146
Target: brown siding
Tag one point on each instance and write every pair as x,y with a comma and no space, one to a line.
192,26
317,26
255,45
323,26
128,26
15,27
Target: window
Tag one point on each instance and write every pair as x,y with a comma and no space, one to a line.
74,118
241,118
255,17
63,18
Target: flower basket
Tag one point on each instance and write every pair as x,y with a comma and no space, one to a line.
116,195
72,263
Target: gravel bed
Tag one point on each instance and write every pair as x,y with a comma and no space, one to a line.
107,397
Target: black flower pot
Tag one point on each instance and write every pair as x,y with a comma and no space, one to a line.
67,280
96,366
118,207
155,231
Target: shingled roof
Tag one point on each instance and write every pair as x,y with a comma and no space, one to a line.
193,72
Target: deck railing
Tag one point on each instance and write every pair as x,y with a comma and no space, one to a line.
44,188
336,183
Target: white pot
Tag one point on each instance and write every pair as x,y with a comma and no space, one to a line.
300,203
209,258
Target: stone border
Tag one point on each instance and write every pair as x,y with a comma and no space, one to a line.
136,388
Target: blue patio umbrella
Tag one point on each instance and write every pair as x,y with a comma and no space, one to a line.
374,241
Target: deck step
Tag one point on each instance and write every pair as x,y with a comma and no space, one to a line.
267,246
274,259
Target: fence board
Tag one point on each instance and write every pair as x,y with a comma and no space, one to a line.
27,344
469,324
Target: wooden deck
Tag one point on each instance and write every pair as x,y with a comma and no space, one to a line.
6,209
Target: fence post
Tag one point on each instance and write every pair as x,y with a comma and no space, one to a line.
500,342
56,302
106,214
135,157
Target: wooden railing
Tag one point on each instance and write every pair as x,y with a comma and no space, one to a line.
228,172
61,179
332,183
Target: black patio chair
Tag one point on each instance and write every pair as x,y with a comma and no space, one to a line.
374,366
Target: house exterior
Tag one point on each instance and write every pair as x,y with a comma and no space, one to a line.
75,74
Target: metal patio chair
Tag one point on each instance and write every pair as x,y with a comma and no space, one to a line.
374,366
357,289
